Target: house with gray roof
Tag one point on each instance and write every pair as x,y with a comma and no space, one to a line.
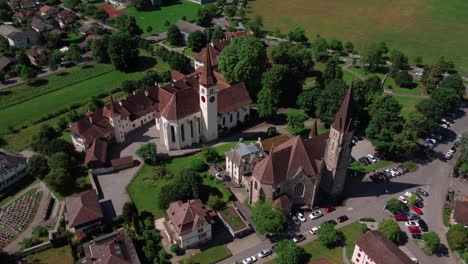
12,168
242,159
186,28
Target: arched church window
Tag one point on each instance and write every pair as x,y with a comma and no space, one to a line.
173,134
182,131
299,189
255,185
191,128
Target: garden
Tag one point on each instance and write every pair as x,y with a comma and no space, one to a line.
209,256
60,255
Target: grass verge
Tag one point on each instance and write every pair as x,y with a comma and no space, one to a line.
53,256
446,212
357,166
209,256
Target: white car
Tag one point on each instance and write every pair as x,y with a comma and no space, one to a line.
448,155
444,125
401,198
249,260
314,230
411,224
219,176
315,215
265,253
371,158
301,217
296,221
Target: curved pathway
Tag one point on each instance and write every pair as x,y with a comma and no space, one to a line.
390,92
346,68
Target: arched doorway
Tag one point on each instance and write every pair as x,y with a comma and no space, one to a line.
299,189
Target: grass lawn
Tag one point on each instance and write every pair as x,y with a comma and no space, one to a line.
53,256
232,218
211,255
156,17
352,232
411,26
408,103
357,166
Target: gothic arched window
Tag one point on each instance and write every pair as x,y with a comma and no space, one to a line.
299,189
182,131
173,133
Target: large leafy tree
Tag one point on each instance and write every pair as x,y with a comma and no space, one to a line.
390,229
398,59
319,48
336,45
332,71
74,53
128,25
38,166
372,56
308,98
273,83
205,15
329,236
95,103
404,79
396,206
290,253
256,25
244,60
297,34
217,34
196,40
99,49
174,36
454,81
123,51
330,100
268,218
445,98
60,180
148,153
457,238
421,124
431,240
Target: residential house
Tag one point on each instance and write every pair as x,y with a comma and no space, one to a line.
18,39
198,108
48,11
39,55
59,32
189,223
298,167
241,160
40,25
90,29
460,213
88,38
12,168
114,248
375,248
66,19
215,49
186,28
28,3
5,64
202,1
96,156
23,15
120,3
82,210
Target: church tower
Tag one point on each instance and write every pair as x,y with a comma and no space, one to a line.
338,150
208,100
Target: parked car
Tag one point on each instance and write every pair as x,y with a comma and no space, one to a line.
342,219
401,218
333,222
219,176
371,158
422,191
314,230
403,168
423,225
414,230
217,168
444,125
249,260
379,156
315,215
416,236
296,221
401,198
417,210
330,209
438,137
411,224
265,252
412,216
364,161
298,238
448,156
301,217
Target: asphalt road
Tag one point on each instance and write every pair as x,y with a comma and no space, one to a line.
367,199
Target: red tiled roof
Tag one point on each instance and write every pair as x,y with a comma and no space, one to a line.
25,13
4,62
97,152
207,77
83,208
94,125
214,49
183,103
460,212
46,8
112,12
186,216
381,250
176,76
128,160
117,249
88,38
25,34
232,98
59,32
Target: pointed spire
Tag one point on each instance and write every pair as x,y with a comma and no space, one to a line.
112,108
343,116
207,78
313,130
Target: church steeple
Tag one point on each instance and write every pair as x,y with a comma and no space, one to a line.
207,78
343,118
313,130
112,107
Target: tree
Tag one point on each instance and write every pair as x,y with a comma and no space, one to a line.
421,124
445,98
455,82
336,45
59,179
457,238
38,166
28,242
95,104
174,248
297,58
99,49
290,253
55,60
174,36
196,40
148,153
62,124
396,206
128,25
332,71
217,34
268,218
129,213
297,34
430,108
296,120
2,77
330,100
188,184
211,155
244,61
199,165
404,79
398,59
205,15
26,72
123,51
329,236
71,3
308,98
418,61
62,160
372,56
74,53
54,41
463,143
180,62
319,48
432,240
39,231
230,11
100,14
383,47
390,229
256,25
349,46
273,82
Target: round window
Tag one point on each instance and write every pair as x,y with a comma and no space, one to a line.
203,99
212,99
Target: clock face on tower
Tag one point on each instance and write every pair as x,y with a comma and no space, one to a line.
203,98
212,99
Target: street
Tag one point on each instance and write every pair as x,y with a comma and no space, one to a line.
366,199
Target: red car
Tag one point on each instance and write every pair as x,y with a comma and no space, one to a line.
330,209
417,210
414,230
401,218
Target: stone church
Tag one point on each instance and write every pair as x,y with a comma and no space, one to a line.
295,170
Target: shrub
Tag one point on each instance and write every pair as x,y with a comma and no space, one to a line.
367,219
431,240
174,248
215,202
199,165
211,155
148,153
411,166
39,231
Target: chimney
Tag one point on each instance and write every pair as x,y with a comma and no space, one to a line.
146,92
212,44
134,92
90,119
259,139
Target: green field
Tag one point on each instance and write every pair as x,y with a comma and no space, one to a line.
156,18
211,255
408,103
427,28
53,256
